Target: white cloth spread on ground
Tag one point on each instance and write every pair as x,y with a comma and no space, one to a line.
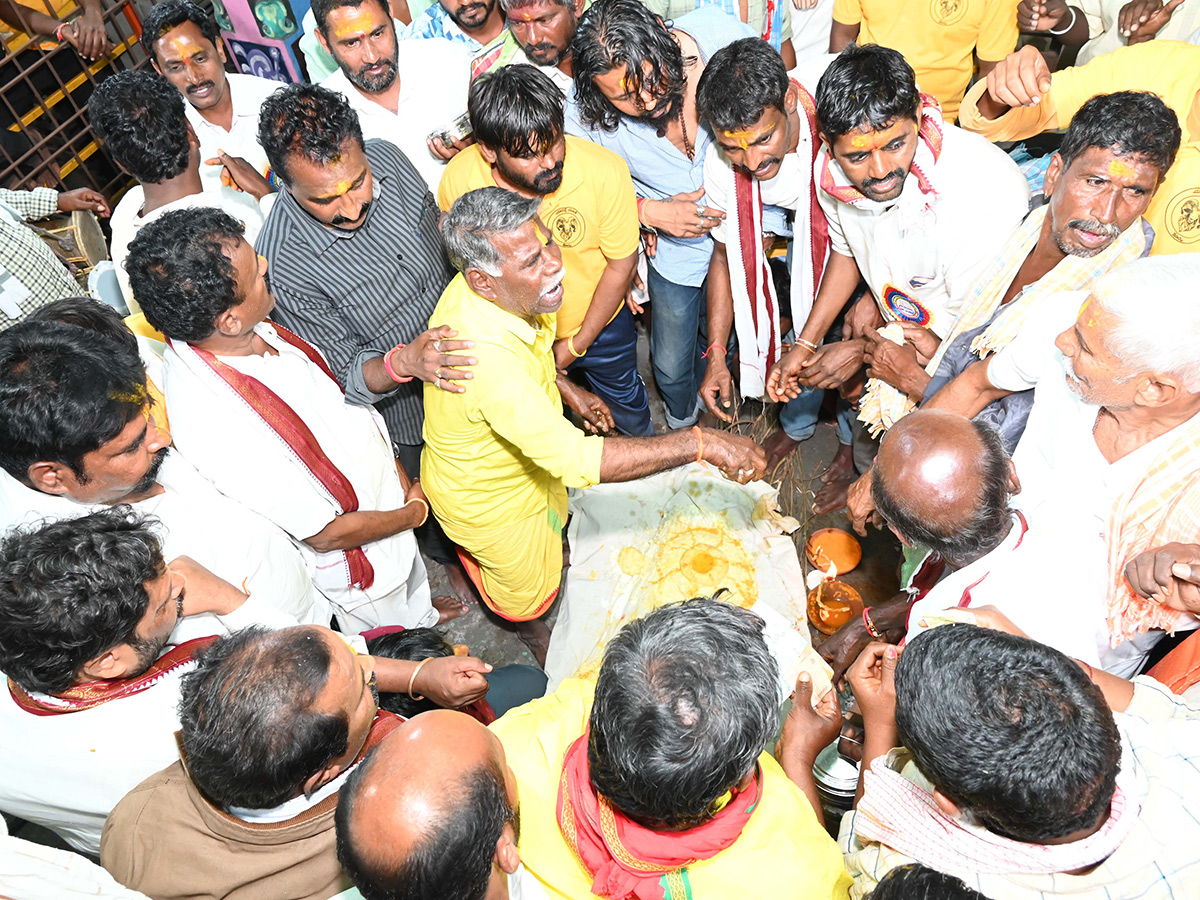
252,554
684,533
246,459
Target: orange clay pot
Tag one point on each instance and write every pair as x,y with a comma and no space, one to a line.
832,604
832,545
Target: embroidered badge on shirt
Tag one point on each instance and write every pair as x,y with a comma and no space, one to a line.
567,226
947,12
905,307
1183,216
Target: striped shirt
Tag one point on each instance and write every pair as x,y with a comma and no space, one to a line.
24,256
356,294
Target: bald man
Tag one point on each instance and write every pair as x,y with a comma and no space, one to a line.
945,481
432,812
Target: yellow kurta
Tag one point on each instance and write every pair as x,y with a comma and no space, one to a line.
499,458
1168,68
592,217
939,38
782,852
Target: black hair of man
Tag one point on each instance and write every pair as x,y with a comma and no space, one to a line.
964,541
179,271
454,858
71,590
686,700
616,34
250,734
65,391
139,117
322,8
413,644
89,313
170,14
517,109
309,121
918,882
1010,730
1130,123
740,83
869,86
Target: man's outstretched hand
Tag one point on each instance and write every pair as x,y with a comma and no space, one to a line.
739,458
453,681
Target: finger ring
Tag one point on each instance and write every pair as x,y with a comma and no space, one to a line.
438,373
438,382
437,345
700,209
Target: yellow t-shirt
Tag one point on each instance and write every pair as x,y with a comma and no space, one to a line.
937,37
1170,69
782,851
592,216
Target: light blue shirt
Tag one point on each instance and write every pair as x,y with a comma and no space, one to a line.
659,168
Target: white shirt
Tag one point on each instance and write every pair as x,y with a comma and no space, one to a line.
522,885
67,772
247,460
1066,482
248,93
927,259
127,220
220,534
30,871
1104,36
434,76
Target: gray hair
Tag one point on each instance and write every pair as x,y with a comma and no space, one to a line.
468,227
1158,311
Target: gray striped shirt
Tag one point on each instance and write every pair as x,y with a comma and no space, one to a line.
356,294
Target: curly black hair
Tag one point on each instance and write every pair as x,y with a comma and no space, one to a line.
309,120
170,14
179,271
71,590
139,116
616,34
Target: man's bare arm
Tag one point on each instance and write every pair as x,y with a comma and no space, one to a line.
841,35
716,390
606,300
968,393
354,529
625,459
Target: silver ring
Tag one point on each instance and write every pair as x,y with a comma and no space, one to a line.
438,383
437,345
700,209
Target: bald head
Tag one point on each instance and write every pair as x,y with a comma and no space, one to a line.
943,480
425,815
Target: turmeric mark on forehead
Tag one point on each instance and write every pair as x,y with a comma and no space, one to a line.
748,136
1119,169
359,22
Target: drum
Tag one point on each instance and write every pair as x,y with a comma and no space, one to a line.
77,240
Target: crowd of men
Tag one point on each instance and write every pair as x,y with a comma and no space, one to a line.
386,321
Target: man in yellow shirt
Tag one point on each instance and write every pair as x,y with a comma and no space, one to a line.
1021,98
499,457
941,39
701,672
590,207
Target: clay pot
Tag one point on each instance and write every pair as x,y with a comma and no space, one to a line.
832,545
832,604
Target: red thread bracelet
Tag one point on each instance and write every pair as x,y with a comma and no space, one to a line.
871,629
704,355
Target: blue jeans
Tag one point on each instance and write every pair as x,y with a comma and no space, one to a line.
678,320
610,367
798,418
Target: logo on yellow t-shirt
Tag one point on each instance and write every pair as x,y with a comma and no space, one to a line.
947,12
1183,216
566,223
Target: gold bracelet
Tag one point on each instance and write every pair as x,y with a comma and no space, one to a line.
809,344
571,347
413,680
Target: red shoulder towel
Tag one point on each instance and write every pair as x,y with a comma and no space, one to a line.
91,694
628,861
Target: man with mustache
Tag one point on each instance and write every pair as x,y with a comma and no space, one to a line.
1112,160
88,707
184,47
635,93
544,29
765,130
916,209
588,205
407,98
477,25
500,457
80,431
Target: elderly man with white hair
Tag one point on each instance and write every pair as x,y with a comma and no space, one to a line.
1109,464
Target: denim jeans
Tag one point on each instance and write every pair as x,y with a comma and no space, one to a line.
610,368
679,320
798,418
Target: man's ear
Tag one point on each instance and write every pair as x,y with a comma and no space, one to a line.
946,805
824,140
579,8
487,152
1053,173
229,323
481,283
791,99
1157,390
507,857
1014,483
193,140
51,477
326,774
113,663
324,43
